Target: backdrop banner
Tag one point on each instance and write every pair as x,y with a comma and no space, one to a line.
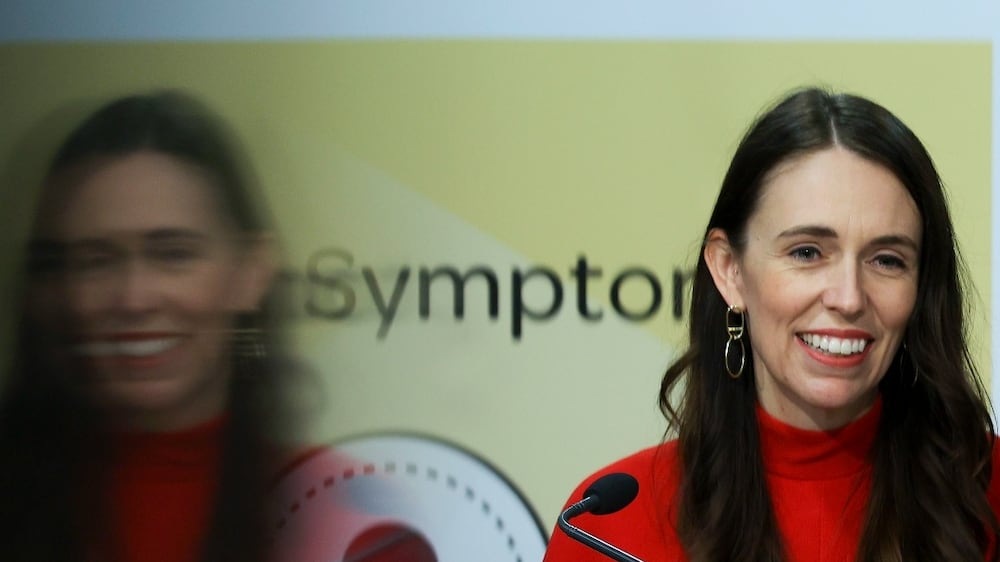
488,243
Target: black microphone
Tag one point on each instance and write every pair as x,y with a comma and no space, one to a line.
607,494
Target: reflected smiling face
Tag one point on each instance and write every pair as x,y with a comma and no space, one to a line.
155,274
828,279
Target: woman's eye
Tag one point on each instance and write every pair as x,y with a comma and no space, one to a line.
91,261
805,253
889,262
174,254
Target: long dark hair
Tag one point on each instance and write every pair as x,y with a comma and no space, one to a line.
931,458
50,433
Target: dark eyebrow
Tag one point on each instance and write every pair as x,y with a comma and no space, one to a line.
155,235
89,244
809,230
173,234
827,232
896,240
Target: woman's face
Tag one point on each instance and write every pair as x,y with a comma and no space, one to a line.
828,279
155,274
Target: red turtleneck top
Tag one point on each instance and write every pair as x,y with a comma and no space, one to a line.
818,480
163,489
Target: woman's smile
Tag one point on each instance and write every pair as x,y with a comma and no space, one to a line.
834,351
827,289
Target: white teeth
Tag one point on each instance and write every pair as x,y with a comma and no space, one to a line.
835,346
139,348
145,347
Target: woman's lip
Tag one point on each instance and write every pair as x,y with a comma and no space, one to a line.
129,336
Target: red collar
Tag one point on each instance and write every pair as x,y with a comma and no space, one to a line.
801,454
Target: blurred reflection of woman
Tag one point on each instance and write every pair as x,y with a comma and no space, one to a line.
132,425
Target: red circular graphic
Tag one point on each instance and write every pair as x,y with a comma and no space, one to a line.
389,543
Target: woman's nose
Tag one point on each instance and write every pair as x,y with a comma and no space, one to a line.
844,291
135,290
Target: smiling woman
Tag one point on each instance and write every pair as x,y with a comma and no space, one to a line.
155,273
827,408
132,426
828,288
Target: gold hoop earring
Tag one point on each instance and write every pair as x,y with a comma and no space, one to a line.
735,319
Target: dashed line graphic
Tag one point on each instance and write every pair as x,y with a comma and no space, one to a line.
354,478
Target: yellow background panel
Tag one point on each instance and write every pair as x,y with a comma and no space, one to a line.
505,154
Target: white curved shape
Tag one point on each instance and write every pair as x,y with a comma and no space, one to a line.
462,507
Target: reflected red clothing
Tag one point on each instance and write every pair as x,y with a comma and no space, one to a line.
819,484
163,491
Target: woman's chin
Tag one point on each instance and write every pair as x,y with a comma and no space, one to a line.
162,404
841,400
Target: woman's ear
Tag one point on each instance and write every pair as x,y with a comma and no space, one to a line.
724,265
256,271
